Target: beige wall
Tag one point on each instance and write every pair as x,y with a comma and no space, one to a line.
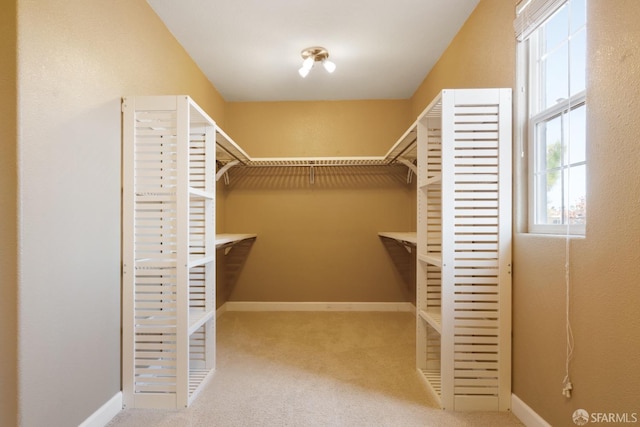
605,266
318,242
77,58
8,216
480,55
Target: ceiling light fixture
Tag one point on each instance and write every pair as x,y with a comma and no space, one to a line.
311,55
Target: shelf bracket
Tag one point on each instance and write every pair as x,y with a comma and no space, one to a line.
223,170
413,169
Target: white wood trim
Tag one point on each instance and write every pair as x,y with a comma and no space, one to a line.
315,306
525,414
105,413
183,131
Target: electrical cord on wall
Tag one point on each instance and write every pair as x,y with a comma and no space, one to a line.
567,387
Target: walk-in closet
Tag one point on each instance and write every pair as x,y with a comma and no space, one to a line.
267,213
455,159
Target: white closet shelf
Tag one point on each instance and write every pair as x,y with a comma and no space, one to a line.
230,154
198,260
198,378
405,147
198,317
232,239
168,215
201,193
433,259
435,179
407,238
227,150
316,161
433,380
432,317
463,205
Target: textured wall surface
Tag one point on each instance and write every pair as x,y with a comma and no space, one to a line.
74,65
77,58
8,216
605,265
318,242
482,54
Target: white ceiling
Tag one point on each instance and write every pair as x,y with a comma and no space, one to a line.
250,49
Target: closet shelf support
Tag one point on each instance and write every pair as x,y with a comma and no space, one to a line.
223,170
413,169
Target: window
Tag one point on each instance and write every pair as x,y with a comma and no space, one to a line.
552,77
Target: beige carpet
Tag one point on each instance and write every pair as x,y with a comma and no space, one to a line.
346,369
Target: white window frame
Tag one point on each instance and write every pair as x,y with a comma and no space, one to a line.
530,15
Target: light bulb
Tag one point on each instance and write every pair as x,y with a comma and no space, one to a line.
307,65
329,66
303,71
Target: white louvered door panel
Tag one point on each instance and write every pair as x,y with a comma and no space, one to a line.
475,206
168,250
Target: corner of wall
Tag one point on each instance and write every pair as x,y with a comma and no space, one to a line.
525,414
8,217
482,54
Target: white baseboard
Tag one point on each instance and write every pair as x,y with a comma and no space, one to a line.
316,306
105,413
525,414
221,310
